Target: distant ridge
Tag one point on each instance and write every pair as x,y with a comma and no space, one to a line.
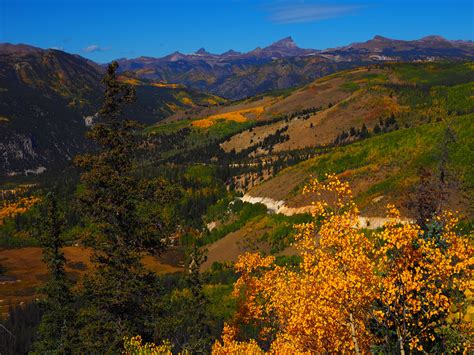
50,97
283,64
287,47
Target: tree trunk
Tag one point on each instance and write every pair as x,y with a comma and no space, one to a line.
400,340
354,339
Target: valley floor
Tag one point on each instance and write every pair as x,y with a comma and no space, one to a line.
26,272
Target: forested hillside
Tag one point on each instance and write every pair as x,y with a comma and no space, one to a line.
361,242
49,98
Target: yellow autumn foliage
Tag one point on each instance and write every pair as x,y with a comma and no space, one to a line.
167,85
135,82
129,81
204,123
421,275
237,116
136,346
400,279
12,208
187,101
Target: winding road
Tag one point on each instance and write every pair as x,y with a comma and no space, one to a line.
279,206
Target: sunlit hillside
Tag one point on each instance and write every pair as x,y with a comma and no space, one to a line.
272,193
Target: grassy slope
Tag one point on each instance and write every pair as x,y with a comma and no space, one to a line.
358,96
155,101
384,165
417,94
261,108
377,94
267,233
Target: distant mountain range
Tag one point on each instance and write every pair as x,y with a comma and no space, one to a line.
283,64
426,48
47,96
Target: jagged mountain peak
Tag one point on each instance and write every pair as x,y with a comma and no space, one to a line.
202,51
381,38
286,42
175,56
231,52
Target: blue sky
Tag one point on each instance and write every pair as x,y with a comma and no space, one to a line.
103,30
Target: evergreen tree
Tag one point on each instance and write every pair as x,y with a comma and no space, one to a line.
187,322
120,297
18,328
57,328
197,332
427,199
377,129
364,132
391,120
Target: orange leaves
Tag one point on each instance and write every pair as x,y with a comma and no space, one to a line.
21,205
421,269
231,346
187,101
203,123
129,80
251,286
333,196
237,116
313,307
249,262
402,277
135,82
135,346
168,85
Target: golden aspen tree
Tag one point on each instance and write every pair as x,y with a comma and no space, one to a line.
326,304
21,205
424,275
136,346
395,289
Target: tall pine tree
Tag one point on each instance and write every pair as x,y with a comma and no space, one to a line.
199,337
56,331
187,321
120,297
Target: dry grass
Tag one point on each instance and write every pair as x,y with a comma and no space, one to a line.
236,243
350,109
237,116
129,81
27,272
322,129
167,85
135,82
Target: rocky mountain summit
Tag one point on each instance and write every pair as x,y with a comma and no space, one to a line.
282,64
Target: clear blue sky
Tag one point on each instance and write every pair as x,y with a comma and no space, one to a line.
103,30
